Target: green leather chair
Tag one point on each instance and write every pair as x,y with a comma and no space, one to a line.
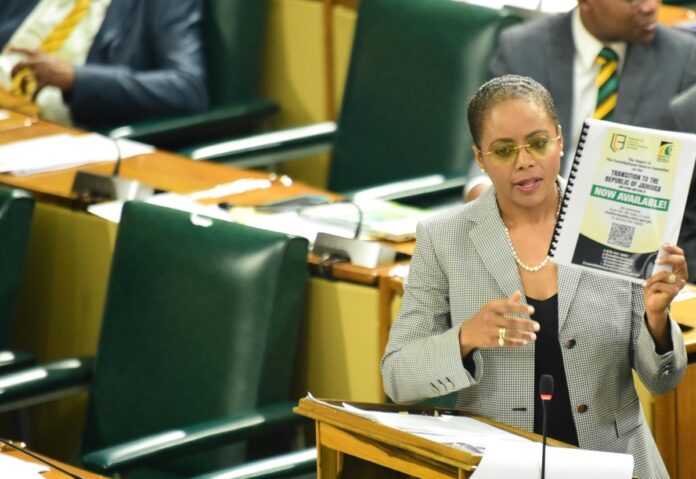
414,65
16,212
196,350
233,35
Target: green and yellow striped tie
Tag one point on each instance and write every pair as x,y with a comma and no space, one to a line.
24,83
607,83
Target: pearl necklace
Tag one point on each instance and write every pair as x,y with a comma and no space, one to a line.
526,267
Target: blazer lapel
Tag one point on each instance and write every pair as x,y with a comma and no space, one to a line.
568,280
633,81
113,25
560,68
488,237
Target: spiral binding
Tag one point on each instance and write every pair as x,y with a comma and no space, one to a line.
568,190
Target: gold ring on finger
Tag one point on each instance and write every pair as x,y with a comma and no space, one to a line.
501,336
672,278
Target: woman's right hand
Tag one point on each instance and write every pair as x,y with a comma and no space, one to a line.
492,326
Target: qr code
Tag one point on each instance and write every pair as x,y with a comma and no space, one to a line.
621,235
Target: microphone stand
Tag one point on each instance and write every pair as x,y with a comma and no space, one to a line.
543,444
113,187
546,394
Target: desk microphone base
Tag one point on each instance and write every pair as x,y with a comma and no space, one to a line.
368,254
93,185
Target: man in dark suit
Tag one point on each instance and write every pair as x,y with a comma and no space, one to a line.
145,59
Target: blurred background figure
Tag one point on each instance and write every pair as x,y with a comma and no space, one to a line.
605,59
95,63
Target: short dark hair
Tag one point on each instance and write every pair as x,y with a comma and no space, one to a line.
503,88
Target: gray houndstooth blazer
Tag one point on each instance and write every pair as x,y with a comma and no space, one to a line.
462,261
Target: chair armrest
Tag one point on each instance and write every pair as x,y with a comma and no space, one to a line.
44,383
196,127
410,188
11,361
268,148
200,436
286,465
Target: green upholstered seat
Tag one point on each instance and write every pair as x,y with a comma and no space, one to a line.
413,66
233,35
16,212
197,345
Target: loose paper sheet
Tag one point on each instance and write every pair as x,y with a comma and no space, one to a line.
523,461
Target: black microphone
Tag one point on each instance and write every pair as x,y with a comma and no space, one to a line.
546,394
50,464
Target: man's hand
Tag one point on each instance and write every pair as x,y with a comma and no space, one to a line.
47,69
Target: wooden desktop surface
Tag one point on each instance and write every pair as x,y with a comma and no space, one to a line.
340,434
162,170
166,172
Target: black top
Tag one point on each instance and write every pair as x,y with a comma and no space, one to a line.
548,360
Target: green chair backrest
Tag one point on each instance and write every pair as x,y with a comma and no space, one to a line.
413,66
234,33
16,212
201,321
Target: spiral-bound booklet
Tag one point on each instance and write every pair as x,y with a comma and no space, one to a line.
625,197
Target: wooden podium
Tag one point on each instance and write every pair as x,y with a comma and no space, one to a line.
350,446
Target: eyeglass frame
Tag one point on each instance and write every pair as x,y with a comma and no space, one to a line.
517,149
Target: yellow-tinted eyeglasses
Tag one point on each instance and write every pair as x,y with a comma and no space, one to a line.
539,147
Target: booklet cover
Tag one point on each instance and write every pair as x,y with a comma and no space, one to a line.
625,197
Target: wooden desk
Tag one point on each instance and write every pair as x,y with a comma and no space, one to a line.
68,261
162,170
351,446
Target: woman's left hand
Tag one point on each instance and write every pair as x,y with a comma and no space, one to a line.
661,288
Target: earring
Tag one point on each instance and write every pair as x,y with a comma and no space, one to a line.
562,153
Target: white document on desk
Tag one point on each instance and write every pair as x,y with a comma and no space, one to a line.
18,469
288,222
462,432
111,210
523,461
57,152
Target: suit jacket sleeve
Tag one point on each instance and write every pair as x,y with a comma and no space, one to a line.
500,63
660,373
109,91
423,359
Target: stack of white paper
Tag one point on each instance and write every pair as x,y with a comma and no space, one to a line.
18,469
523,461
56,152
